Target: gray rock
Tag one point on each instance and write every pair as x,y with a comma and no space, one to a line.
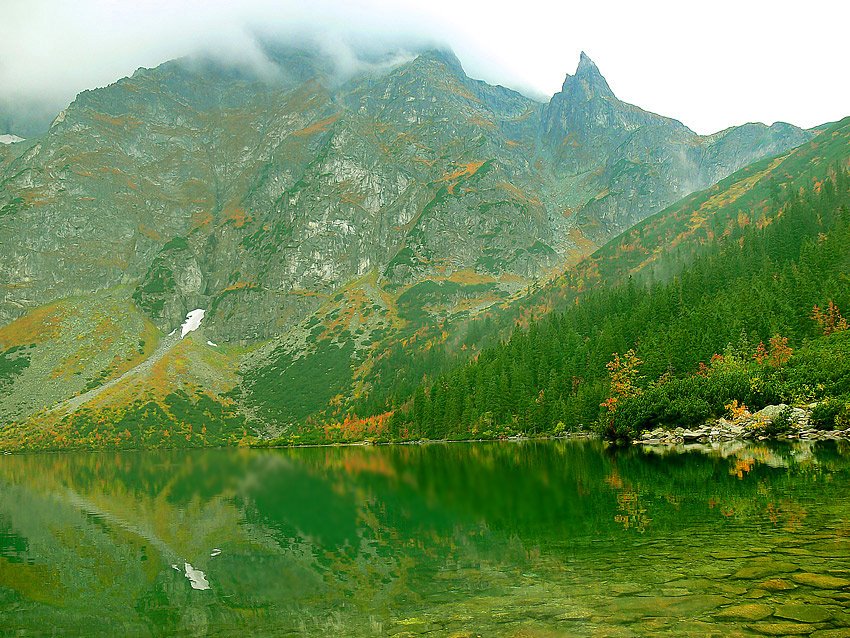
770,412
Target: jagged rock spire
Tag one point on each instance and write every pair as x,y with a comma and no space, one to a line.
587,79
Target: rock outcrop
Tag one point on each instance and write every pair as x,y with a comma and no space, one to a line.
772,422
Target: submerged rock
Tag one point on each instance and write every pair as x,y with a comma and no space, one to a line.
781,628
749,611
763,569
575,615
803,613
821,581
777,584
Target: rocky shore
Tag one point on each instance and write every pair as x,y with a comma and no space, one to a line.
773,422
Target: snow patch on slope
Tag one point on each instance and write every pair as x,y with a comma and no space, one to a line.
196,577
192,323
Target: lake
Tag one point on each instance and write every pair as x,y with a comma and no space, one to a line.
514,539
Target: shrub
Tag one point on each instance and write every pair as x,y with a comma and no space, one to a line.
681,402
737,410
686,411
829,413
780,424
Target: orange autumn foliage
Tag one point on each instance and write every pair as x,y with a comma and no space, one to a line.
623,374
353,428
829,320
776,355
317,127
780,352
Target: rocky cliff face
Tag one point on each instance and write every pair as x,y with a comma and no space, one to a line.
208,187
268,201
630,163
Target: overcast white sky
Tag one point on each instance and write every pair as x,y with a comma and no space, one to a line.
710,64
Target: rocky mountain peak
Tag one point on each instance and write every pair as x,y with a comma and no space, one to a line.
586,65
301,185
445,57
588,81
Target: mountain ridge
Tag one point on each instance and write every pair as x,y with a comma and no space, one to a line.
347,217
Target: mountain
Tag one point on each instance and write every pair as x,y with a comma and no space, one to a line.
697,291
633,163
320,219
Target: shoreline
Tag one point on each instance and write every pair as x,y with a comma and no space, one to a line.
744,428
365,443
779,422
260,446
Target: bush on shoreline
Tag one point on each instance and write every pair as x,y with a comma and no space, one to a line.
819,371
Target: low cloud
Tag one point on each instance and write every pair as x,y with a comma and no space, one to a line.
52,50
709,65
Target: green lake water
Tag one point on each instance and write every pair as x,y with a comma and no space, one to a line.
507,539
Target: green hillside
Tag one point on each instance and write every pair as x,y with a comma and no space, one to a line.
717,273
349,242
345,234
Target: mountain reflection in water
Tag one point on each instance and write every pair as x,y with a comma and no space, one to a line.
493,539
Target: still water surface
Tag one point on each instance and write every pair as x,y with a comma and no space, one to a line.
487,539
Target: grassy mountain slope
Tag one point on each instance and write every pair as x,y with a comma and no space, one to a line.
345,238
742,262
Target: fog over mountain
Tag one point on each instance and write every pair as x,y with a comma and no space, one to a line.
50,50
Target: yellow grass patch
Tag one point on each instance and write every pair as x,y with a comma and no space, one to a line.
124,120
469,277
423,160
511,278
474,303
453,86
236,216
583,243
35,197
201,218
482,122
466,170
518,193
240,285
38,326
150,233
317,127
304,292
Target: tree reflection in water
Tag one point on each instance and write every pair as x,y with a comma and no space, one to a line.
491,538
